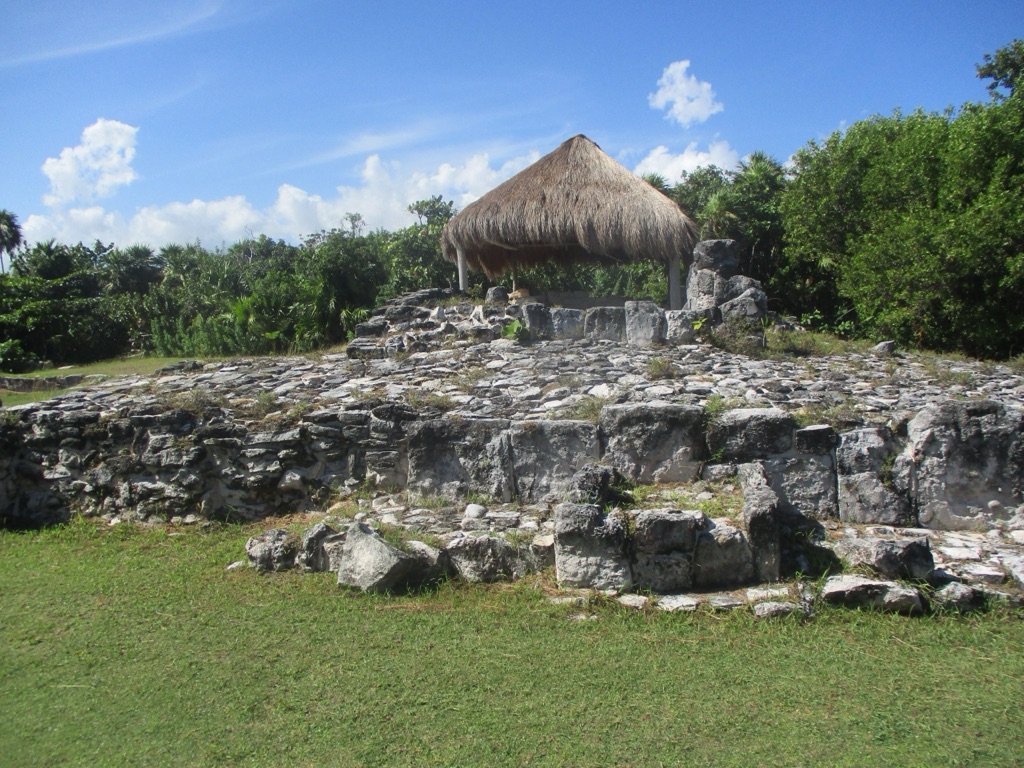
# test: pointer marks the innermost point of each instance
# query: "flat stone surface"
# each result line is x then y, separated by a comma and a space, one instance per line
633, 601
725, 602
674, 603
773, 609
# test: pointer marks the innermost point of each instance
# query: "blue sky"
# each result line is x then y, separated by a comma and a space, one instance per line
179, 120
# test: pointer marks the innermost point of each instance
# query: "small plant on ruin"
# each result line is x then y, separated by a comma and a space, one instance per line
417, 398
587, 409
516, 331
264, 404
660, 368
716, 405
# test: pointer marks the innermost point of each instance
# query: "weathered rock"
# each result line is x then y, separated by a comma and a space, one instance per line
496, 294
707, 283
484, 559
750, 306
311, 555
872, 481
956, 597
661, 531
663, 544
682, 326
678, 603
761, 513
272, 550
645, 323
653, 443
720, 256
750, 433
722, 557
862, 592
967, 455
891, 558
537, 319
597, 484
453, 458
567, 323
884, 349
773, 609
434, 564
607, 323
590, 548
546, 454
638, 602
819, 439
805, 484
542, 550
371, 564
375, 326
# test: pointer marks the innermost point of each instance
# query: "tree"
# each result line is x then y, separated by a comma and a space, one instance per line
10, 234
433, 212
131, 270
754, 197
659, 182
1005, 68
912, 228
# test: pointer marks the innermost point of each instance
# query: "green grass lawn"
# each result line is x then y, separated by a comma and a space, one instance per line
130, 647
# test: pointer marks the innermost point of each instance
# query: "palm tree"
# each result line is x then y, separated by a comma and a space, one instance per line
10, 234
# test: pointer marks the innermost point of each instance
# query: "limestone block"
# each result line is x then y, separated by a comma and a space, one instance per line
608, 323
805, 484
484, 559
750, 306
890, 558
645, 324
818, 439
661, 531
663, 573
537, 319
861, 592
454, 458
496, 294
311, 555
590, 548
651, 443
873, 484
369, 563
969, 463
567, 323
679, 326
545, 455
272, 550
863, 498
761, 512
719, 256
750, 433
722, 557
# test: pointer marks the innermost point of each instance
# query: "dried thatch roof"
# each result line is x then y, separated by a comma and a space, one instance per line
573, 204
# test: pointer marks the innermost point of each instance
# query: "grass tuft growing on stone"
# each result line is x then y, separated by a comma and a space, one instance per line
124, 646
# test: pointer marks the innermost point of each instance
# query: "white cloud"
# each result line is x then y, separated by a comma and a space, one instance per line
688, 99
659, 160
95, 168
384, 192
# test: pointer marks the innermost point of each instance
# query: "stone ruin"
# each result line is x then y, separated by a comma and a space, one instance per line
921, 479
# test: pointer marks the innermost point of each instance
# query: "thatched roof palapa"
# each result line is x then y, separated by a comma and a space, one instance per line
574, 204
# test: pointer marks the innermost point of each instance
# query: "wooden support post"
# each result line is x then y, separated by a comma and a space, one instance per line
463, 269
675, 292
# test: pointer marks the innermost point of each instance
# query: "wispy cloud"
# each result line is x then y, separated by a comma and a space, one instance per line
173, 28
363, 144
